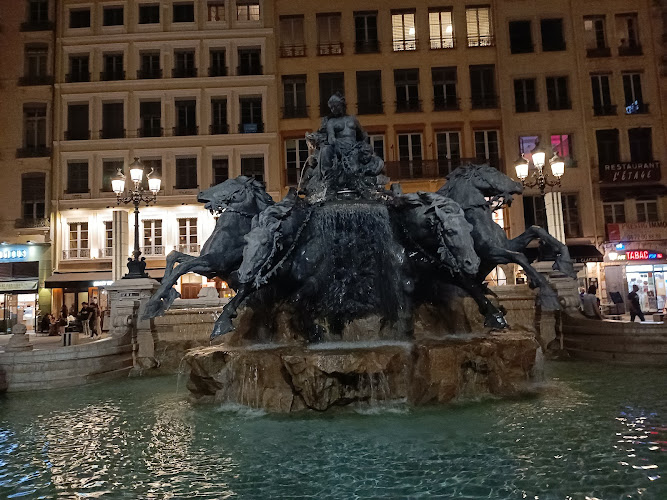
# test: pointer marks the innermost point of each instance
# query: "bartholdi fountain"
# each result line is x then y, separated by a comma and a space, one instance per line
348, 292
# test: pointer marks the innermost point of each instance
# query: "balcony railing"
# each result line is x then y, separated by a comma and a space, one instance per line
217, 71
153, 250
189, 248
604, 110
33, 152
292, 50
330, 49
31, 222
443, 43
367, 46
249, 69
251, 128
108, 76
184, 72
559, 105
113, 133
218, 128
185, 130
107, 252
150, 131
370, 108
77, 135
295, 111
481, 41
36, 80
527, 107
77, 77
446, 104
149, 73
409, 105
77, 253
37, 26
431, 169
484, 102
630, 50
598, 52
404, 45
637, 108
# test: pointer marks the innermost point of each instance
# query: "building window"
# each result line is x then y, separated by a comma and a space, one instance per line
448, 146
184, 64
186, 173
614, 212
113, 67
109, 171
113, 16
291, 36
641, 144
38, 12
150, 65
219, 123
478, 22
218, 63
571, 222
406, 82
410, 155
445, 96
251, 115
602, 105
328, 35
553, 38
608, 146
366, 32
79, 18
404, 36
250, 62
36, 70
149, 14
187, 235
34, 128
150, 115
186, 117
525, 98
247, 11
527, 143
377, 143
330, 83
77, 122
534, 211
647, 211
627, 30
78, 241
369, 92
33, 195
216, 11
558, 95
152, 238
220, 170
253, 166
486, 147
521, 38
113, 120
563, 146
77, 177
184, 12
296, 154
441, 28
152, 166
108, 239
596, 38
483, 87
79, 69
632, 90
294, 96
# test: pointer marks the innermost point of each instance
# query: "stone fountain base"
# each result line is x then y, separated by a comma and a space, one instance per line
285, 378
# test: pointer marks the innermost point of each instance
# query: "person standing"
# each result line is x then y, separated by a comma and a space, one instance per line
92, 319
635, 308
84, 317
590, 304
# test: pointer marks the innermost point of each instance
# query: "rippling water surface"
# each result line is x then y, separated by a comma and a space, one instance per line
596, 431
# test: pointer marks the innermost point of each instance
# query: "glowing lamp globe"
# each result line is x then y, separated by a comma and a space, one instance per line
136, 171
521, 168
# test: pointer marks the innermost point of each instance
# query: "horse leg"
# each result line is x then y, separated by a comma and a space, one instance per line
224, 322
155, 302
563, 262
493, 317
548, 298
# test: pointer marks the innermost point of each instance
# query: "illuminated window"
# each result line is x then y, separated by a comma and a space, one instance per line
441, 29
291, 36
563, 145
478, 22
152, 238
614, 212
216, 11
247, 11
108, 238
296, 154
404, 35
78, 241
187, 235
647, 211
328, 35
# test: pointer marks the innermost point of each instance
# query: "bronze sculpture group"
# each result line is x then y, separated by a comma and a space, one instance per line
341, 247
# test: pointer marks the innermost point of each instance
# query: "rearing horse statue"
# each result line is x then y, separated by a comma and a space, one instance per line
481, 189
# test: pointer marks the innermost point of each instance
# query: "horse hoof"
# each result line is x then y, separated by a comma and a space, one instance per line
495, 321
222, 326
152, 309
549, 302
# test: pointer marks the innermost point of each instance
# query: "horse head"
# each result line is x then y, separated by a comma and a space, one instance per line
243, 195
474, 185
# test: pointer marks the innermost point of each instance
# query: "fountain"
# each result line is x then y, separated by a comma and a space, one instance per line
348, 292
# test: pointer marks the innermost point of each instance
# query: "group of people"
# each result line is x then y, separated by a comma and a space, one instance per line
89, 317
590, 304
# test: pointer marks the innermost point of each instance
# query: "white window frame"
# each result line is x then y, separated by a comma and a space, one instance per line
152, 226
401, 24
438, 21
79, 247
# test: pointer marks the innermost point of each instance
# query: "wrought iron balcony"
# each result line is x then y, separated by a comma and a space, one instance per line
32, 222
367, 46
184, 72
598, 52
630, 50
79, 76
217, 71
108, 76
292, 50
189, 248
446, 104
77, 135
403, 45
77, 253
36, 80
112, 133
185, 130
330, 49
370, 108
481, 41
408, 106
155, 250
107, 252
251, 128
249, 69
295, 111
604, 110
559, 105
484, 102
38, 25
149, 73
527, 107
150, 131
443, 43
33, 152
637, 108
218, 128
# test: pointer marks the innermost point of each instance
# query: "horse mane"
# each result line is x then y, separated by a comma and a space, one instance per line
263, 199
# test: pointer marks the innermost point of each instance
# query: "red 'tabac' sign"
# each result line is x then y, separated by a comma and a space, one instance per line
642, 255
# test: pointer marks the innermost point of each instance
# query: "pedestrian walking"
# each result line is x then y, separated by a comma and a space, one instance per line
635, 308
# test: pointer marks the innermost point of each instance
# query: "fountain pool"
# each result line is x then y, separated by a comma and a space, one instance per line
595, 431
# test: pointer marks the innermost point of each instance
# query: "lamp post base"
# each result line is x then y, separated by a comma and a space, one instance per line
136, 269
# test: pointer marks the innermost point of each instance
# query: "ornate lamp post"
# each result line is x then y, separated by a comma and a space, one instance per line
136, 194
539, 178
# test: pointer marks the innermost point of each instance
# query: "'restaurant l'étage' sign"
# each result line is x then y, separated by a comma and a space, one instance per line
630, 172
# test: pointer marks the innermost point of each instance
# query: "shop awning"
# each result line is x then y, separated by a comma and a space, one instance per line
579, 253
18, 286
83, 280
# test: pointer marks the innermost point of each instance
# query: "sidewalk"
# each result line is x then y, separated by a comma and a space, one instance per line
44, 342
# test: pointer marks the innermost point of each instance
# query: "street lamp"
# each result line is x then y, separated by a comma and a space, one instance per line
136, 194
539, 178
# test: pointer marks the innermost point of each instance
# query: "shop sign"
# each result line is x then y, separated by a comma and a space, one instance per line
102, 283
17, 286
638, 231
13, 253
628, 172
643, 255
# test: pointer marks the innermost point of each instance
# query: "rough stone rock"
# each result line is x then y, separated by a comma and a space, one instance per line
3, 381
